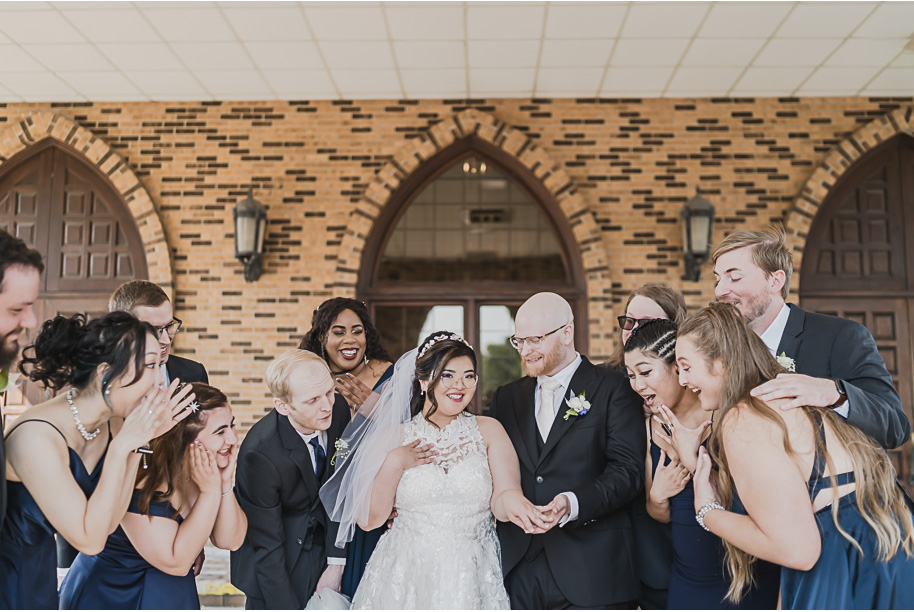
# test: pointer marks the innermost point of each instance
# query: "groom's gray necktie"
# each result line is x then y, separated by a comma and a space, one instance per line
546, 413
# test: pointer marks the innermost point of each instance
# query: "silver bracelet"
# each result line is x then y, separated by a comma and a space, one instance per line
700, 517
226, 493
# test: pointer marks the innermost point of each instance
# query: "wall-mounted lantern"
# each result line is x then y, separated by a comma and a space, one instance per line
250, 226
697, 225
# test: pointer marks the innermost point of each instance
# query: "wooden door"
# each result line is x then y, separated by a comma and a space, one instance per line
859, 263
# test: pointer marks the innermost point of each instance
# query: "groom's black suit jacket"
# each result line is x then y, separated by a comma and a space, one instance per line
186, 370
831, 347
289, 534
599, 457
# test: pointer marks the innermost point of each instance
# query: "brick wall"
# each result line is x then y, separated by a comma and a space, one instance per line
626, 166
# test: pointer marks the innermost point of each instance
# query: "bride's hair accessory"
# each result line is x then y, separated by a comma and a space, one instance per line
440, 338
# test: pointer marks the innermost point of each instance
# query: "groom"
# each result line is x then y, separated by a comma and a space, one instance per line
584, 466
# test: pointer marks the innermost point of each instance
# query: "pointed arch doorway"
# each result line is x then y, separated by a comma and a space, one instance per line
59, 204
464, 240
859, 262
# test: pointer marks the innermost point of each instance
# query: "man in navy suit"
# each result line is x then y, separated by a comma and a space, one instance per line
289, 551
836, 361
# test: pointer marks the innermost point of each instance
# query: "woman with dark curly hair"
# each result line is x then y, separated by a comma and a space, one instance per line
71, 460
344, 336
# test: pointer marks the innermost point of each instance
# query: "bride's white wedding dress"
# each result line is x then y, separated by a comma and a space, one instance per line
442, 551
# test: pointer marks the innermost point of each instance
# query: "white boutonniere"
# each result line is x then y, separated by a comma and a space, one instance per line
577, 406
8, 380
786, 362
342, 451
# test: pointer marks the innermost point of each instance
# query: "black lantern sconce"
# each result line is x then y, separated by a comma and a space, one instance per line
250, 226
697, 224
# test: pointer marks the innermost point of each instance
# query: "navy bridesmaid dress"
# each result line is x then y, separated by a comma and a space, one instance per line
119, 578
28, 554
842, 578
363, 542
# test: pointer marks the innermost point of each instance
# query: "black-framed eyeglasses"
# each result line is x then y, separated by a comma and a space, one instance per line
629, 323
533, 342
171, 329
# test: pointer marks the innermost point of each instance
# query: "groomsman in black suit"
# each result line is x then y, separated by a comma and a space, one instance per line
149, 303
20, 277
836, 361
289, 551
579, 435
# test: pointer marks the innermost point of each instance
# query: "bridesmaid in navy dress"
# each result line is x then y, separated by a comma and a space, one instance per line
183, 497
69, 469
792, 478
343, 334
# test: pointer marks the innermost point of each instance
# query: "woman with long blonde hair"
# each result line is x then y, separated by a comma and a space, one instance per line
799, 488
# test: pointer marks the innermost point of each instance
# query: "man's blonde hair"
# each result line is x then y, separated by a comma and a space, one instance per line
280, 370
134, 294
769, 251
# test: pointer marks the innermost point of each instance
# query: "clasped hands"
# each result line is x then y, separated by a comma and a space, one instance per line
531, 518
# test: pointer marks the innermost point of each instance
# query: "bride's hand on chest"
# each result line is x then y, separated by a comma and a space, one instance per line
412, 455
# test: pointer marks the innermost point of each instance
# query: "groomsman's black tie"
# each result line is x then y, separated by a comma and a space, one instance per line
320, 457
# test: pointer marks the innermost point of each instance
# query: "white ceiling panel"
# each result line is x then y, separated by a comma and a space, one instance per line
594, 20
69, 57
141, 56
4, 38
824, 19
501, 79
347, 22
796, 51
905, 60
14, 59
112, 25
829, 78
649, 52
575, 52
504, 22
889, 20
39, 86
300, 83
285, 55
183, 23
663, 19
750, 19
25, 5
108, 85
222, 82
7, 95
901, 79
575, 81
430, 54
504, 54
368, 54
38, 27
365, 80
268, 24
167, 83
718, 80
722, 51
635, 79
452, 81
771, 79
213, 55
439, 22
867, 52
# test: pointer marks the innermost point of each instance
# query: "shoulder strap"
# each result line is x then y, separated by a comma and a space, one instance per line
37, 421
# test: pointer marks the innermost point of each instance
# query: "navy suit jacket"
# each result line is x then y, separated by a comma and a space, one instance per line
831, 347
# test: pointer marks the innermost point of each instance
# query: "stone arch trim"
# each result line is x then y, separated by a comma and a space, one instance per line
838, 161
35, 127
592, 248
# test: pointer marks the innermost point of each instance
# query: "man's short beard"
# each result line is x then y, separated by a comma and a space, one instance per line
551, 360
9, 351
752, 309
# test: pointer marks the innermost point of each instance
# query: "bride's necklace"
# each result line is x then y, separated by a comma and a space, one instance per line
350, 372
79, 424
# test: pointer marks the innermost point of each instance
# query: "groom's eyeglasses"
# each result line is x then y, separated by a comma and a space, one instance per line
628, 323
533, 342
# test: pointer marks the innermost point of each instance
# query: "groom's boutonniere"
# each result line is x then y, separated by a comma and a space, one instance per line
342, 451
577, 406
786, 362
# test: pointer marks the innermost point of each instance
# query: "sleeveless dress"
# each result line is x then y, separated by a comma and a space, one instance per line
442, 552
119, 578
698, 579
363, 542
842, 578
28, 554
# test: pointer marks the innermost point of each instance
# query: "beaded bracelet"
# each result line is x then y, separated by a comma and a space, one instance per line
700, 517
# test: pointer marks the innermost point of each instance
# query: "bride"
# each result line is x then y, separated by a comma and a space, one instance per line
447, 474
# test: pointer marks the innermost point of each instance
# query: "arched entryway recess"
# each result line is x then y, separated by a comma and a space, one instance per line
20, 137
856, 222
471, 132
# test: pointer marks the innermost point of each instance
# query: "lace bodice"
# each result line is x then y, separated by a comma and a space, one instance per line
452, 495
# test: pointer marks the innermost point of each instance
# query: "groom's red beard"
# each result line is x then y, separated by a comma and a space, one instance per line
9, 349
551, 360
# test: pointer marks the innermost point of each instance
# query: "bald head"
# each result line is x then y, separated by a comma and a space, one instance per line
546, 316
542, 313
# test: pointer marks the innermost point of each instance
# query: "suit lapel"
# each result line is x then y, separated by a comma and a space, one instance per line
298, 453
585, 380
790, 339
524, 408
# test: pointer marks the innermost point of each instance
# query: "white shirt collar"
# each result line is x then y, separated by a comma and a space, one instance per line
772, 336
165, 376
320, 435
565, 375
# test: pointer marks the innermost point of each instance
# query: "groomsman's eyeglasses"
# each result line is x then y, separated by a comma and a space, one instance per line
533, 342
450, 380
628, 323
171, 329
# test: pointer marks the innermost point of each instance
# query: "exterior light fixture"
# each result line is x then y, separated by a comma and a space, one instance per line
697, 225
250, 226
